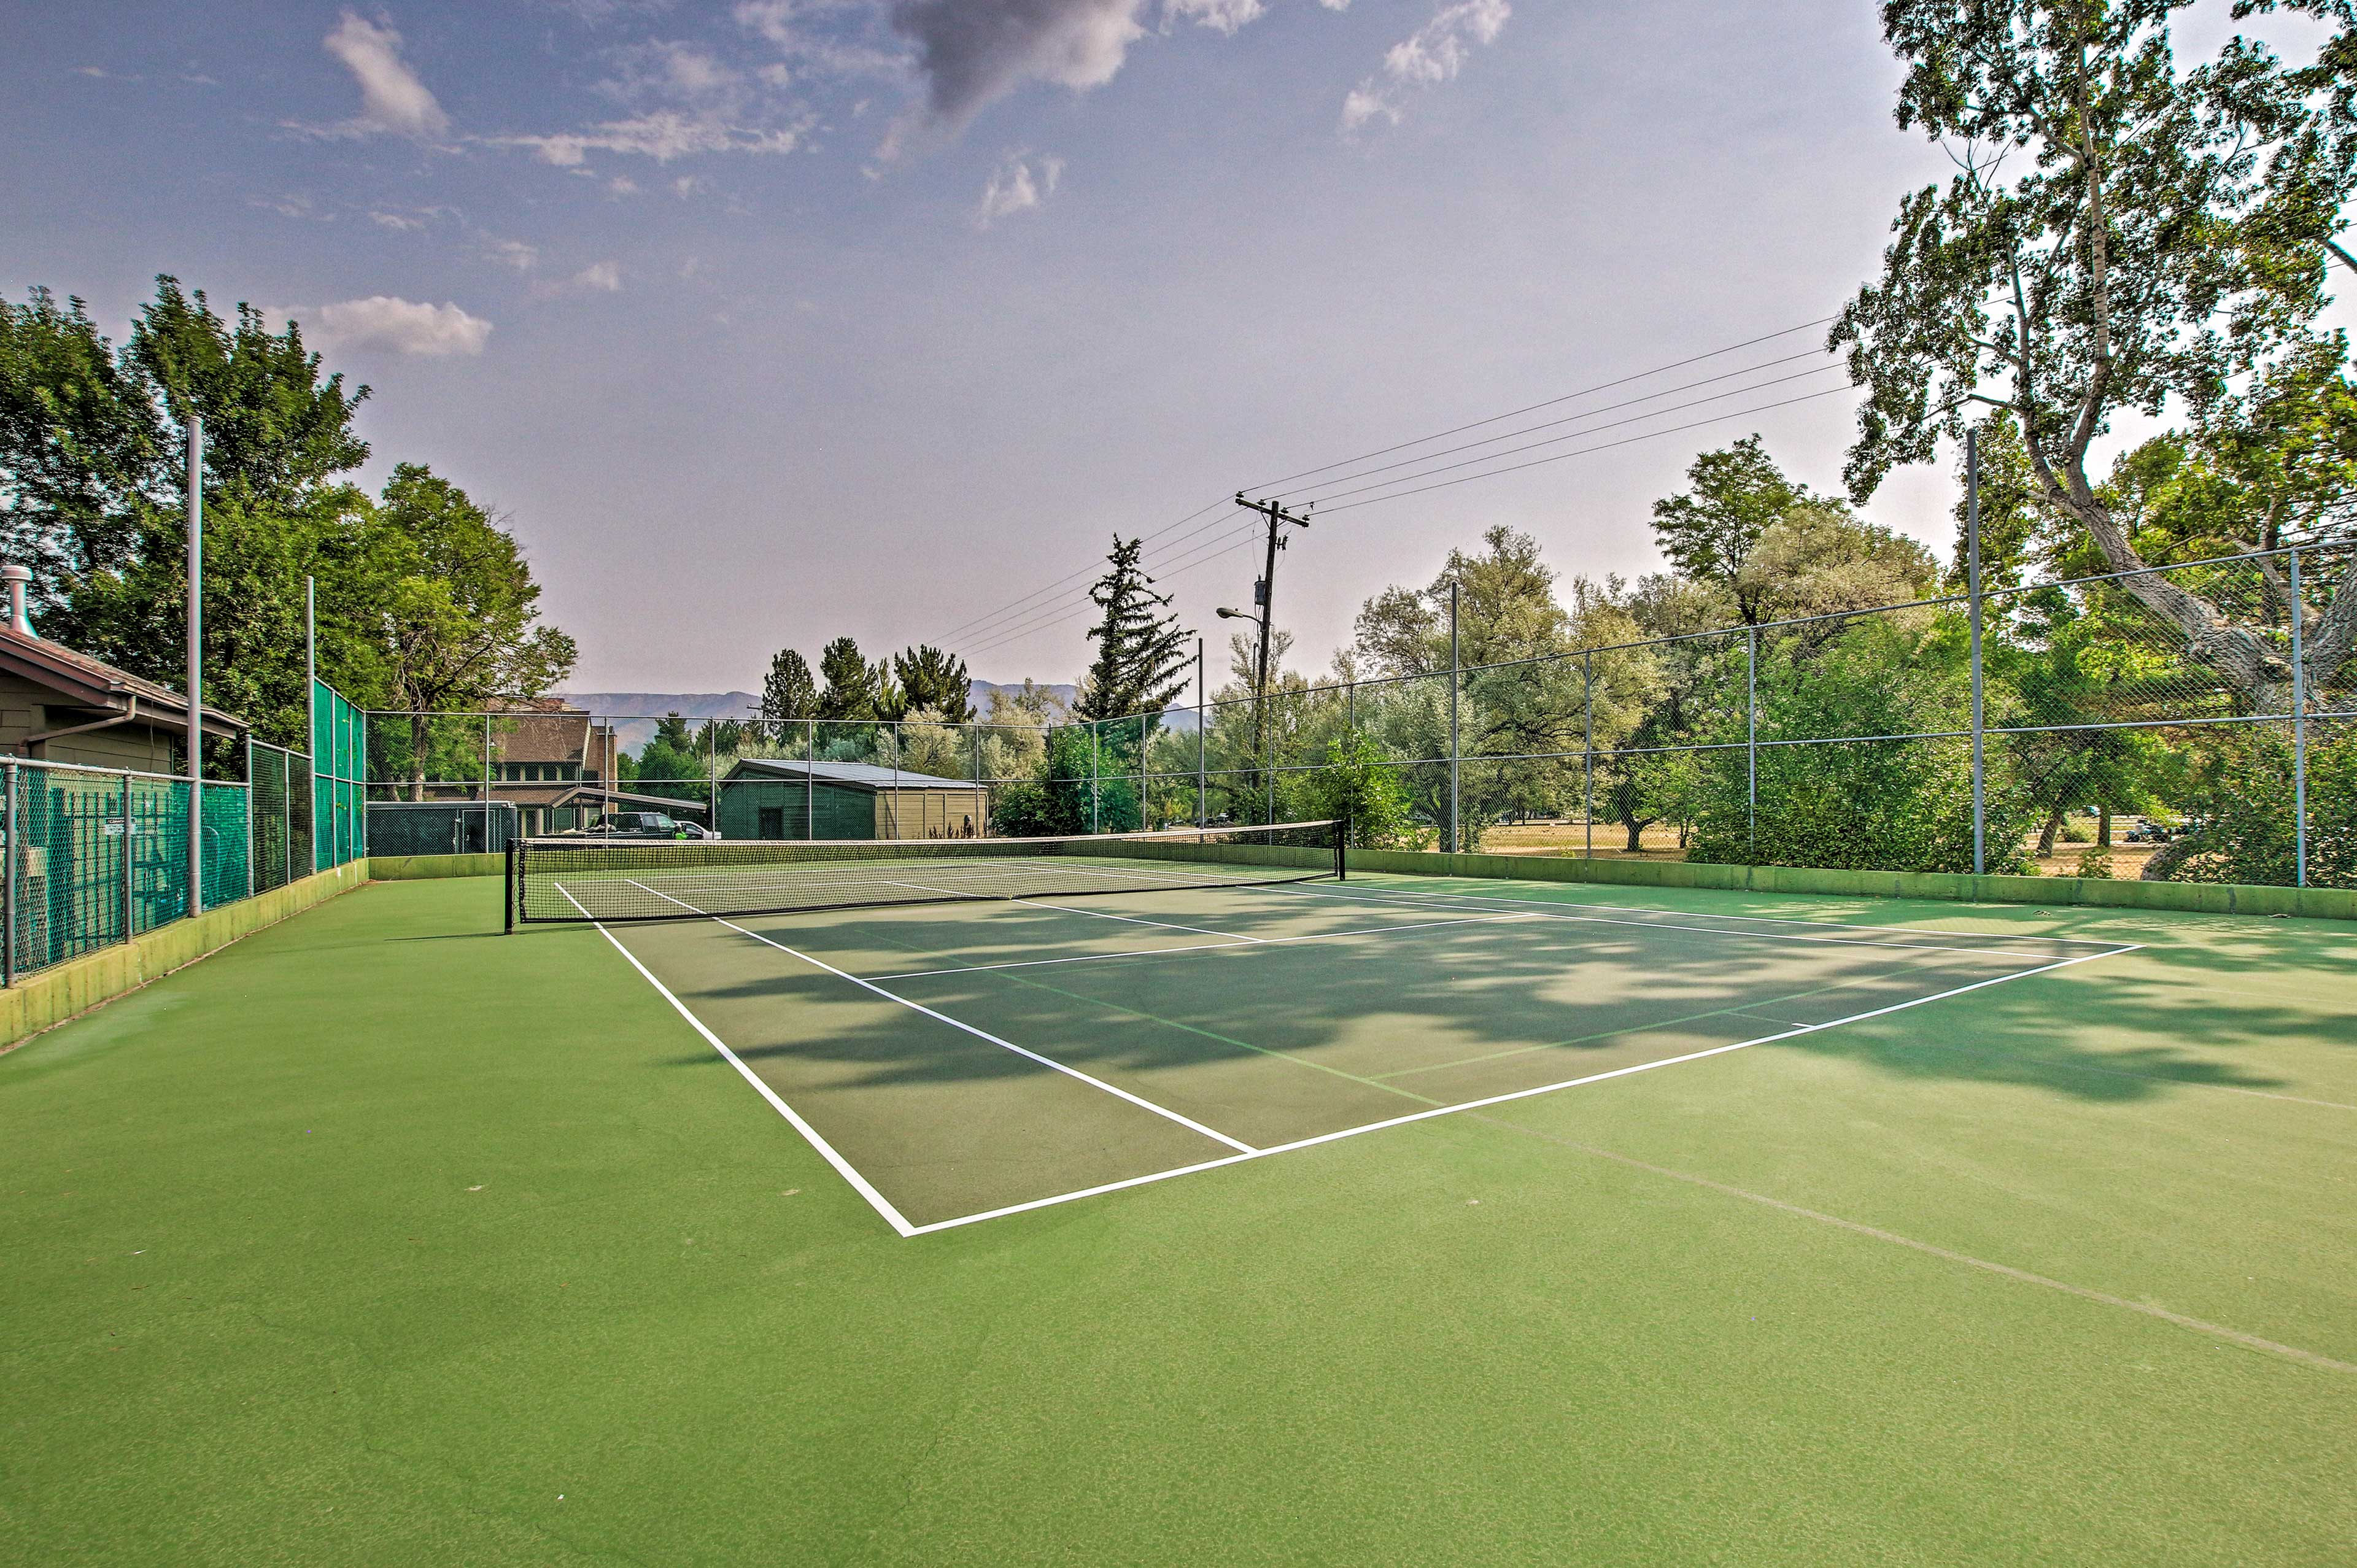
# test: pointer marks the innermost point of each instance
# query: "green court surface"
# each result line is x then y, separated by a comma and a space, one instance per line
1392, 1220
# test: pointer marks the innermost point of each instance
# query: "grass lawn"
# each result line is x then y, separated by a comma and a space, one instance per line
380, 1238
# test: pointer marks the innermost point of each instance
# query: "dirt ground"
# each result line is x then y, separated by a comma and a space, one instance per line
1569, 837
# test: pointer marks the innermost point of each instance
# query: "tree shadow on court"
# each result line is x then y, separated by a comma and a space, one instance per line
2116, 1030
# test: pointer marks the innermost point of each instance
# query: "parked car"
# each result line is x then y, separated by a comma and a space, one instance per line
648, 825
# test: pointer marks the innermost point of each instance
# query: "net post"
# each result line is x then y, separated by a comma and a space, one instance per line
508, 887
1342, 846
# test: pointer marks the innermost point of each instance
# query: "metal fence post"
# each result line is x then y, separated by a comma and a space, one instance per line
1202, 779
1092, 776
1588, 740
126, 858
1456, 830
1752, 730
2298, 730
10, 847
810, 777
1973, 595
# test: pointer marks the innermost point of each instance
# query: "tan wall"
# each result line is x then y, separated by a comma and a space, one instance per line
141, 746
930, 813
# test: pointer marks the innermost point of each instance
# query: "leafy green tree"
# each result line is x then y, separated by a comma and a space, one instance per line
1355, 786
936, 682
81, 447
2163, 233
1141, 659
854, 689
456, 612
787, 691
1707, 534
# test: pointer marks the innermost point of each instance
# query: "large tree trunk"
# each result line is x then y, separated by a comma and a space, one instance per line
2046, 834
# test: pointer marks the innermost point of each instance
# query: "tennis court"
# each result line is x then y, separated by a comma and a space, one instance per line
960, 1048
1861, 1230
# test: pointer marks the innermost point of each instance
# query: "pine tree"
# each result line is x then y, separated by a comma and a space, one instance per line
1141, 659
852, 683
789, 692
929, 677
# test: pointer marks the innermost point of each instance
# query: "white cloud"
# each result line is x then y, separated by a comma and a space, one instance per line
662, 135
783, 24
400, 222
393, 100
1433, 54
512, 253
687, 185
599, 277
402, 326
1014, 187
1219, 15
622, 185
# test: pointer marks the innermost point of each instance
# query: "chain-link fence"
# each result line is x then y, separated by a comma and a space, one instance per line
2180, 722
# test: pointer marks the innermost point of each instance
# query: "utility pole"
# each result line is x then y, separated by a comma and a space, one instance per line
1264, 600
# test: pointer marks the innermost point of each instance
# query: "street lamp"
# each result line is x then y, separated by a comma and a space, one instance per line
1238, 615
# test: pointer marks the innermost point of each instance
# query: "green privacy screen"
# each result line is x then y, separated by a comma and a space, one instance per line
339, 743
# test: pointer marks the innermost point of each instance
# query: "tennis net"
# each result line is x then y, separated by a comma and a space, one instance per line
575, 880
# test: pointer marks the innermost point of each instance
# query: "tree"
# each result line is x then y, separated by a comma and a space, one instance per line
456, 606
91, 448
854, 689
931, 680
2168, 235
1707, 534
788, 692
1141, 659
1506, 610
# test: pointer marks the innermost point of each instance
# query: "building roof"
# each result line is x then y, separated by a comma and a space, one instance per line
544, 733
854, 774
89, 683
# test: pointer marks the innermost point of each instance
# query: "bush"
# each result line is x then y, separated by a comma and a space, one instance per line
2076, 831
2095, 864
2243, 806
1356, 785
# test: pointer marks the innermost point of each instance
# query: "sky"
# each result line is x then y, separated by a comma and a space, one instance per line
766, 322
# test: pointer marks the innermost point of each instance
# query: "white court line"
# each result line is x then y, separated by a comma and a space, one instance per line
1099, 914
1204, 947
843, 1167
1178, 884
1492, 1099
1142, 1104
1434, 900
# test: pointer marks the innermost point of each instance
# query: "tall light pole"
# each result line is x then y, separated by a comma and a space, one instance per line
196, 673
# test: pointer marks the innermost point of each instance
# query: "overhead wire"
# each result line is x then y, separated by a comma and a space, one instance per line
1548, 403
1574, 436
1566, 419
1054, 604
1601, 446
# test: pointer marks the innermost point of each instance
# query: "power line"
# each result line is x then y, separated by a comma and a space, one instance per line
1549, 403
996, 614
1574, 418
1167, 565
1051, 620
1601, 446
1615, 425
